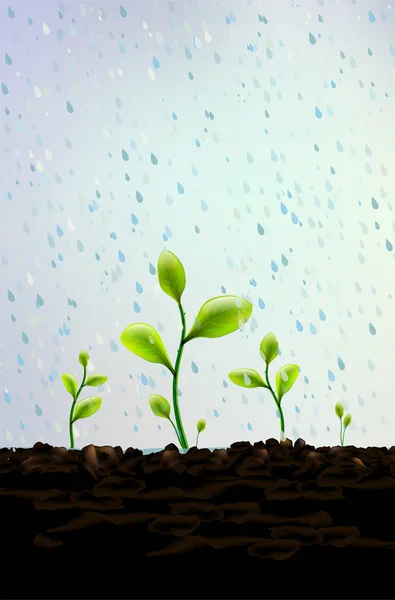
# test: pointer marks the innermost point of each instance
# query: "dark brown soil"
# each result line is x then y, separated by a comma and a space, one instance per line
272, 520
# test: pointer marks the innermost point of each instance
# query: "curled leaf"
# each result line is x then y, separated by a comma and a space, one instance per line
285, 378
83, 358
87, 407
269, 348
339, 410
96, 379
171, 275
159, 406
247, 378
347, 421
220, 316
70, 383
145, 341
201, 425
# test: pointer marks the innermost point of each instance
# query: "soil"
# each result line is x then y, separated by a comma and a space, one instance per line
269, 520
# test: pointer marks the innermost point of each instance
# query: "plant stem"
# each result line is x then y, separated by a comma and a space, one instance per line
197, 437
180, 428
341, 431
280, 410
72, 410
175, 429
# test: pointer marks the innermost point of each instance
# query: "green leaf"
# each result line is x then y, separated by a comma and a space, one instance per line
247, 378
171, 275
220, 316
347, 421
339, 410
145, 341
96, 379
70, 383
87, 407
285, 378
269, 348
201, 425
83, 358
159, 406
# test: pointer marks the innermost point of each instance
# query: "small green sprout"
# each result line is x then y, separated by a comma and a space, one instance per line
285, 377
201, 426
339, 411
217, 317
88, 406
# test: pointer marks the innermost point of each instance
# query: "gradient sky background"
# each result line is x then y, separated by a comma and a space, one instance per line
255, 140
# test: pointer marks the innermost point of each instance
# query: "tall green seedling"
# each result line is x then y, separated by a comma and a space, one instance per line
285, 377
344, 423
88, 406
217, 317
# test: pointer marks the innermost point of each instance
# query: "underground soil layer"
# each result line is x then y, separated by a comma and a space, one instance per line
269, 520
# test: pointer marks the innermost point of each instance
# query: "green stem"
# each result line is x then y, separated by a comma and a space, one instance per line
180, 428
175, 429
341, 431
197, 437
280, 410
72, 410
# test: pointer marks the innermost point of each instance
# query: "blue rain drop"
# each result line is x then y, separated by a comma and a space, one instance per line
318, 113
322, 315
195, 368
261, 231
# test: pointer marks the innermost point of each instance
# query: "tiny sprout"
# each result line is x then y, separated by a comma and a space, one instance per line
339, 410
285, 377
201, 426
88, 406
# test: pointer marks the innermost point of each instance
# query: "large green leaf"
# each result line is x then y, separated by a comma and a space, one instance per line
171, 275
70, 383
285, 378
87, 407
247, 378
145, 341
220, 316
159, 406
96, 379
269, 348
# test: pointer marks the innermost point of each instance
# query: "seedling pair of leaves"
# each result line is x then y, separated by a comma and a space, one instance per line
217, 317
344, 423
285, 377
88, 406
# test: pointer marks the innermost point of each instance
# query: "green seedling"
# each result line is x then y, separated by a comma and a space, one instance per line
88, 406
217, 317
285, 377
201, 426
344, 423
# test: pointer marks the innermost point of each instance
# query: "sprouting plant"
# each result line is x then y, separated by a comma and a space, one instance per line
201, 426
217, 317
285, 377
346, 422
88, 406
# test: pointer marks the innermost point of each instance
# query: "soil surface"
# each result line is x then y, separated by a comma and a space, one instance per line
269, 520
